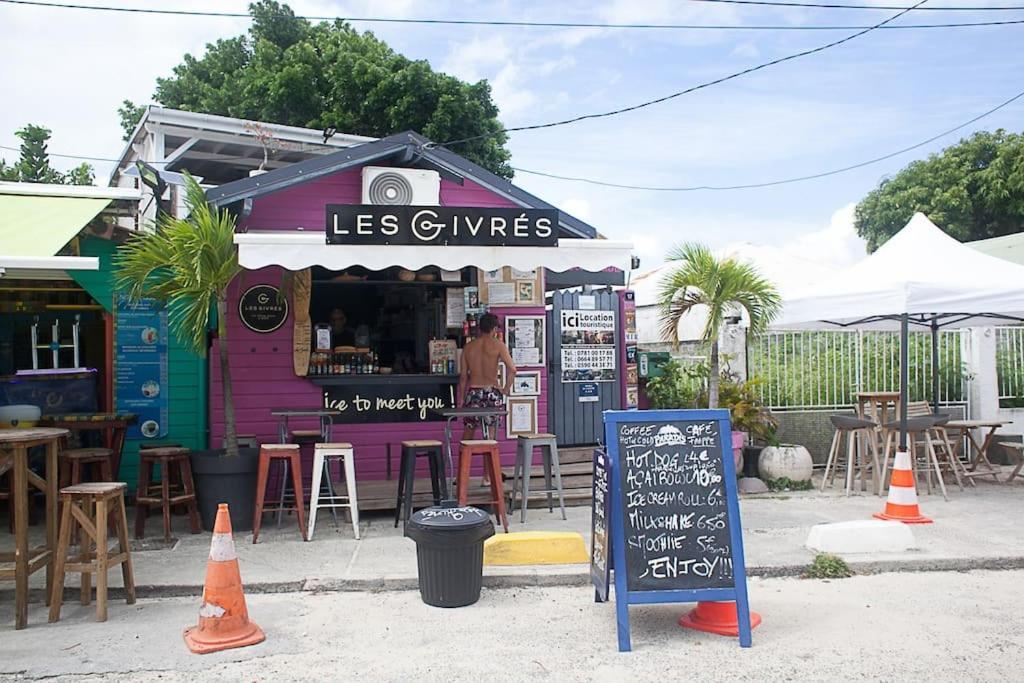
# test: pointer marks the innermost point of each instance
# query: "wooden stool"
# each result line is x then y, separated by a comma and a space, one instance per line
411, 450
5, 494
488, 448
323, 454
852, 427
288, 454
74, 460
162, 494
917, 427
87, 506
525, 445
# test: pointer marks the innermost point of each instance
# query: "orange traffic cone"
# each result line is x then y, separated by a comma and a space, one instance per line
901, 505
223, 619
717, 617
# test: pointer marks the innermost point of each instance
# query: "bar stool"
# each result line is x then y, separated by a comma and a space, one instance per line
488, 448
288, 454
87, 506
411, 450
176, 488
74, 460
851, 427
525, 445
323, 455
917, 427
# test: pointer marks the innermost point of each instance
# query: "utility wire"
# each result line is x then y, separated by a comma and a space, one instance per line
701, 86
832, 5
521, 24
772, 183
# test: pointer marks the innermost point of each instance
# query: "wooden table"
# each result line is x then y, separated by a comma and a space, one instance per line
14, 448
966, 427
1019, 447
875, 406
113, 425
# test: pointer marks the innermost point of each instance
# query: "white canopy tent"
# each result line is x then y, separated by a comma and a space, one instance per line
921, 277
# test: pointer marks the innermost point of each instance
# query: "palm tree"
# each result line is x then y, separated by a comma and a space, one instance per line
187, 264
723, 286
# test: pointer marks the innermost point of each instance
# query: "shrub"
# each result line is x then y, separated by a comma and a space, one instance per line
828, 566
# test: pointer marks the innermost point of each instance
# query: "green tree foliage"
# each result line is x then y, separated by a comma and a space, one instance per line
716, 287
130, 114
972, 190
187, 264
33, 164
290, 71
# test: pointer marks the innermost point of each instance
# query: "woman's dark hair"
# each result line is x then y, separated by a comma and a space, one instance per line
488, 321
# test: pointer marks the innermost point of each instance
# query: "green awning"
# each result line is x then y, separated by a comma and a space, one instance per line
33, 226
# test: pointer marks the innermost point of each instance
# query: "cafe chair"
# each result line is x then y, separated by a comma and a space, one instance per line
88, 506
411, 451
323, 455
288, 455
525, 446
851, 428
175, 488
75, 462
918, 429
488, 449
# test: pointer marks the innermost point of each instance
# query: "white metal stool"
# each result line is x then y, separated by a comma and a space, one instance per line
323, 454
548, 444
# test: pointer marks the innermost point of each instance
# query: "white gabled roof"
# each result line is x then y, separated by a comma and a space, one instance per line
82, 191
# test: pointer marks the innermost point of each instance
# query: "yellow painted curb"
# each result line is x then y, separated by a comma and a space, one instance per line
535, 547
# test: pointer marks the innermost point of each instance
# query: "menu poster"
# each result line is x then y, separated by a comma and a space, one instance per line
675, 526
675, 514
455, 307
525, 338
600, 547
140, 340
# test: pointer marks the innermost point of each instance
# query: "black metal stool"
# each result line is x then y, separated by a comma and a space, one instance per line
411, 450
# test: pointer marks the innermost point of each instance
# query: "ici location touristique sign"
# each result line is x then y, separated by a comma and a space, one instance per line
441, 226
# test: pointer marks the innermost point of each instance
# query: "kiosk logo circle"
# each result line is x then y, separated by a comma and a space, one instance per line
423, 227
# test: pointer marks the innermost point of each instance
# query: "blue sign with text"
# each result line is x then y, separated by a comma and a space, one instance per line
141, 362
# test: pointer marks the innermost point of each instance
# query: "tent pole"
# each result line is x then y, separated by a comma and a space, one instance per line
935, 365
904, 377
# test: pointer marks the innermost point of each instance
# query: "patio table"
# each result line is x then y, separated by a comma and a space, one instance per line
1019, 447
966, 428
876, 406
14, 448
113, 425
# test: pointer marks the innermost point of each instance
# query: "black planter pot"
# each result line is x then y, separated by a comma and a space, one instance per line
750, 458
220, 479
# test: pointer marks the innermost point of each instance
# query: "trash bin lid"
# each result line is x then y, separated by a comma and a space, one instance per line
449, 518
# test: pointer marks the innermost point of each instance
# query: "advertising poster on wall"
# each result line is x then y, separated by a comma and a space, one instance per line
588, 346
141, 361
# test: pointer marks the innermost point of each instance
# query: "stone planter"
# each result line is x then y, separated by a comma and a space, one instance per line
789, 461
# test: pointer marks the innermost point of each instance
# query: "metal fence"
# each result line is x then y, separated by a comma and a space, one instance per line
1010, 363
823, 370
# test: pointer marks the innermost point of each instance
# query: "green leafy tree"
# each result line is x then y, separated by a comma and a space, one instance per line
33, 164
722, 286
290, 71
130, 114
973, 190
188, 264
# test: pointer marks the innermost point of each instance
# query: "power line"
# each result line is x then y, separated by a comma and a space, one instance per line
831, 5
78, 156
520, 24
701, 86
772, 183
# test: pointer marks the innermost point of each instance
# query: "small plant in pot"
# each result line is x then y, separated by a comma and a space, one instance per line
188, 264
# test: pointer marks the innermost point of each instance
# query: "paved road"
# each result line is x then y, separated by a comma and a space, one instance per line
926, 626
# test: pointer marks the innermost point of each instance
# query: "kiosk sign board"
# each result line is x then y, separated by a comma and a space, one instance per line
441, 226
674, 512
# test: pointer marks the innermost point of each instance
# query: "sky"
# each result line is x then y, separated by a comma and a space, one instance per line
69, 70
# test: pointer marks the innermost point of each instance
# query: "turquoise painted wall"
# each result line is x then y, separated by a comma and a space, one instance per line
187, 381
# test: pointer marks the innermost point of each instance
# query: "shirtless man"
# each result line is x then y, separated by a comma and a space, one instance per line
478, 373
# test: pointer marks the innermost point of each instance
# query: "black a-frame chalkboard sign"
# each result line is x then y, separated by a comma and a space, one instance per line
672, 515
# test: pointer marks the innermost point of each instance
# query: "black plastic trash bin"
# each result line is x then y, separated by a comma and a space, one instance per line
450, 553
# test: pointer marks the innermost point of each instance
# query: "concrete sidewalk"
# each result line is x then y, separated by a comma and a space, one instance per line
980, 528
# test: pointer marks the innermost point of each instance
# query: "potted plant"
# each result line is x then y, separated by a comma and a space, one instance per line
188, 264
718, 288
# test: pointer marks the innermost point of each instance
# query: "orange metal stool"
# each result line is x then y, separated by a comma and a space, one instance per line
487, 448
288, 453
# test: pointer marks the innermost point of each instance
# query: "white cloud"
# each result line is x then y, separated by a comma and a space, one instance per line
837, 245
748, 50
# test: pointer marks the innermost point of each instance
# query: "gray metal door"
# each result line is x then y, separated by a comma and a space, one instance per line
575, 422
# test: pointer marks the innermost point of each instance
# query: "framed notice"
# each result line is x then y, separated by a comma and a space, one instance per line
501, 293
522, 416
526, 383
455, 307
524, 335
